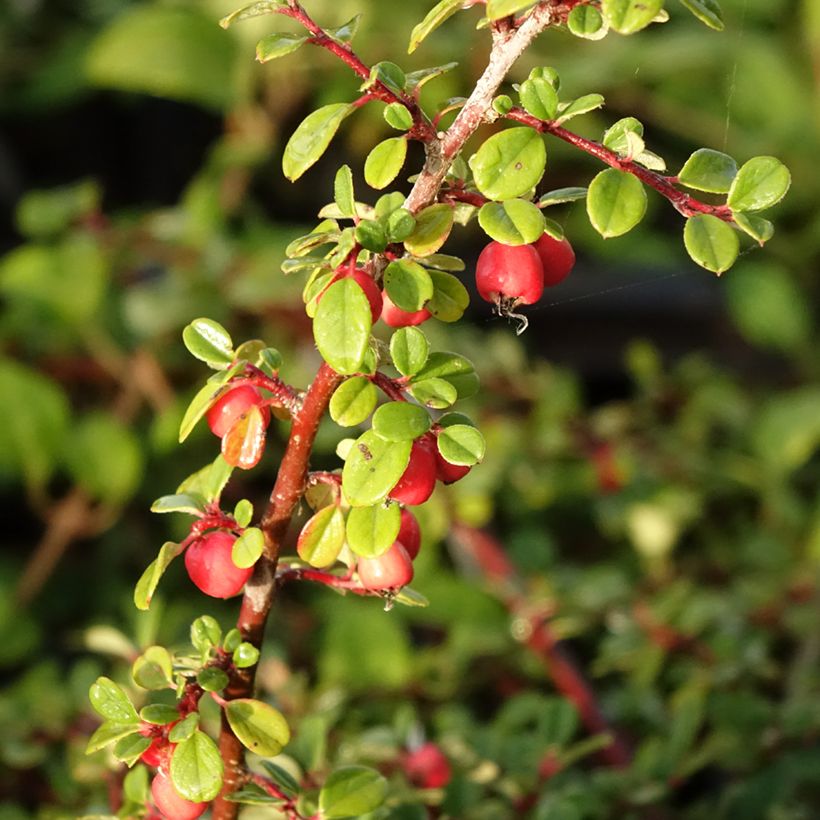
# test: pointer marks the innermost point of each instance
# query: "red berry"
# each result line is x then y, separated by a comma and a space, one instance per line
557, 258
235, 403
409, 534
155, 754
396, 317
427, 767
418, 481
448, 473
509, 274
210, 566
170, 803
390, 570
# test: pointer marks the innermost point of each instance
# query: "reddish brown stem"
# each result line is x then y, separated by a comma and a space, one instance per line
683, 202
388, 386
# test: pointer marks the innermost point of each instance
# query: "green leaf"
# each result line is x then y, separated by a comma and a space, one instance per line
587, 22
497, 9
342, 325
457, 370
760, 183
441, 261
400, 225
343, 193
243, 512
409, 597
129, 749
787, 429
629, 16
561, 195
388, 74
135, 785
347, 31
711, 243
182, 502
110, 701
509, 164
384, 162
108, 733
583, 105
621, 135
371, 531
513, 222
708, 170
245, 655
253, 10
153, 669
418, 79
209, 342
310, 140
212, 679
283, 778
616, 202
147, 584
401, 421
233, 640
373, 467
433, 226
248, 548
450, 297
196, 768
461, 444
278, 45
708, 12
353, 401
205, 633
408, 349
352, 791
539, 98
436, 393
258, 726
398, 116
371, 235
408, 284
185, 729
160, 714
322, 537
761, 230
432, 20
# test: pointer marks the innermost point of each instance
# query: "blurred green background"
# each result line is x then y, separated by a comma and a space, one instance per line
652, 466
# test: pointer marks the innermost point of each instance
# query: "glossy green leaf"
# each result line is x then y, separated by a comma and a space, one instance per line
281, 777
129, 749
400, 225
196, 768
503, 104
398, 116
209, 342
616, 202
243, 512
277, 45
513, 222
245, 655
372, 468
110, 701
153, 669
343, 193
109, 732
509, 164
401, 421
205, 633
248, 548
436, 393
619, 136
761, 230
353, 401
185, 729
561, 195
232, 641
371, 235
384, 162
408, 284
212, 679
760, 183
461, 444
160, 714
497, 9
711, 242
258, 726
583, 105
147, 584
409, 349
418, 79
708, 170
442, 261
347, 31
629, 16
371, 531
388, 74
539, 98
708, 12
432, 20
450, 297
322, 537
182, 502
456, 369
352, 791
253, 10
433, 226
342, 325
310, 140
586, 21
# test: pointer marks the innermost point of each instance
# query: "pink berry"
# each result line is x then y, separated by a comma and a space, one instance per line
234, 404
449, 473
510, 274
428, 767
170, 803
557, 258
210, 566
409, 534
390, 570
418, 481
396, 317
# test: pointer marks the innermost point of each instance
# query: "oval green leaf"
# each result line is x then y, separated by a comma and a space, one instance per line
509, 164
147, 584
587, 22
110, 701
450, 297
539, 98
398, 116
153, 669
371, 531
513, 222
708, 170
432, 20
616, 202
409, 349
629, 16
322, 537
351, 792
343, 194
408, 284
433, 226
258, 726
708, 12
711, 243
310, 140
354, 400
196, 768
278, 45
401, 421
342, 325
373, 467
456, 369
209, 342
248, 548
461, 444
384, 162
760, 183
436, 393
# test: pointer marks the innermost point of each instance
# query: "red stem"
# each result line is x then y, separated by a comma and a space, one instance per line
388, 387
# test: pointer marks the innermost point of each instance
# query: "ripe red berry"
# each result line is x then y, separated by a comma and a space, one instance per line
235, 403
210, 566
170, 803
449, 473
390, 570
396, 317
557, 258
409, 534
418, 481
155, 754
509, 275
428, 767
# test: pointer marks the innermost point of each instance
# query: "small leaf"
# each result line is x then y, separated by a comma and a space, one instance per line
182, 502
433, 226
184, 730
347, 31
253, 10
199, 406
436, 393
398, 116
629, 16
707, 11
616, 202
461, 444
312, 137
401, 421
342, 325
711, 242
583, 105
258, 726
278, 45
248, 548
322, 537
160, 714
509, 164
587, 22
153, 669
283, 778
232, 640
708, 170
498, 9
373, 467
441, 261
205, 633
212, 679
384, 162
209, 342
761, 230
110, 701
245, 655
129, 749
408, 284
147, 584
108, 733
561, 195
618, 136
400, 225
539, 98
244, 444
352, 791
243, 512
343, 193
388, 74
371, 531
353, 401
513, 222
450, 297
432, 20
196, 768
408, 349
760, 183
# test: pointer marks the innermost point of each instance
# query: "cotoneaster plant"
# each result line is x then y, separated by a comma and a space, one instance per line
374, 270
